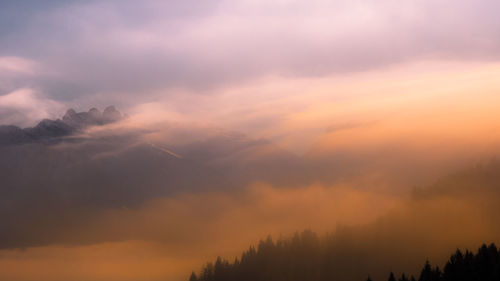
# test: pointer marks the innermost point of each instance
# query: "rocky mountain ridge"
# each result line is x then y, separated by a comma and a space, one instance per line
47, 130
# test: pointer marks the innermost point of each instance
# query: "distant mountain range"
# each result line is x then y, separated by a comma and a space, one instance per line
48, 130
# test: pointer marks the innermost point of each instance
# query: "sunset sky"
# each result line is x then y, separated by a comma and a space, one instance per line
313, 114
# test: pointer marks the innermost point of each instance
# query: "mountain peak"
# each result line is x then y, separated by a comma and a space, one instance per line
110, 108
110, 114
70, 112
70, 123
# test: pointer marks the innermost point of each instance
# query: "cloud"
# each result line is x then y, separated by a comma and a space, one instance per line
129, 47
432, 102
17, 73
24, 107
17, 65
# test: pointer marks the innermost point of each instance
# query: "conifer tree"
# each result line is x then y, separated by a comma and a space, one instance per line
391, 277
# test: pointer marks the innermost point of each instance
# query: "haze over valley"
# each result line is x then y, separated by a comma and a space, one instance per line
249, 140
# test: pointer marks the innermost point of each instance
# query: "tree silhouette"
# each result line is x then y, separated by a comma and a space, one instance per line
306, 257
391, 277
193, 277
403, 278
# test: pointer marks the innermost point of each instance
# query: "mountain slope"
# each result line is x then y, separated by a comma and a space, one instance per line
50, 130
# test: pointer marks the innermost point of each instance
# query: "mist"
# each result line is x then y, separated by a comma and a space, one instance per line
375, 233
140, 140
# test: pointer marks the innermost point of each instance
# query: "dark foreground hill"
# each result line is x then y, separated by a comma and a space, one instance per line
307, 257
483, 265
460, 210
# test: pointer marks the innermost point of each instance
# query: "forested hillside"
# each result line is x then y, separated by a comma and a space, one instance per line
308, 257
433, 225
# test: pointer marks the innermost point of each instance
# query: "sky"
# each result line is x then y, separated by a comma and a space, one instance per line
212, 59
84, 52
359, 100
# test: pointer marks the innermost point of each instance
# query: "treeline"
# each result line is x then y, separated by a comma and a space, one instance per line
484, 265
303, 257
306, 257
